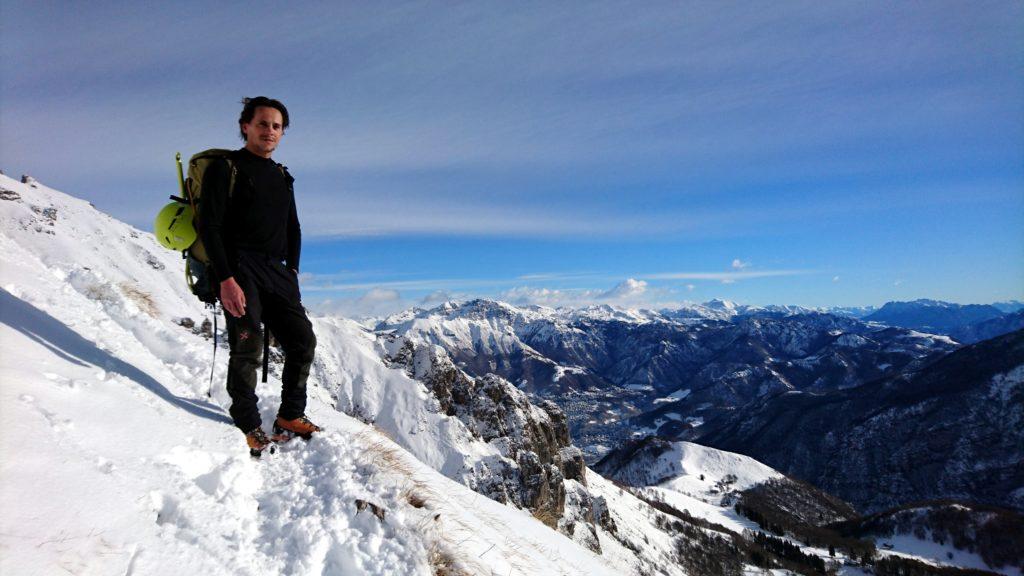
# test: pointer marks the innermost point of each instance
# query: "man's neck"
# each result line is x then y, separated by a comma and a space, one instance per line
258, 153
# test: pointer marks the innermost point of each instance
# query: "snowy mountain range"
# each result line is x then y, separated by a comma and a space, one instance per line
119, 456
616, 373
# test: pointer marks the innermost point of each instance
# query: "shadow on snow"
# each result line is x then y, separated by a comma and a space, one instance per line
70, 346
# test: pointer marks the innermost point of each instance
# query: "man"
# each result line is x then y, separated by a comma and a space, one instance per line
252, 236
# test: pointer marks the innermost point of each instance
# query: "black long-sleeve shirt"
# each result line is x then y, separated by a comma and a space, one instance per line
258, 217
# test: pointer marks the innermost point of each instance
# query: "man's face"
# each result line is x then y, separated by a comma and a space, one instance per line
264, 131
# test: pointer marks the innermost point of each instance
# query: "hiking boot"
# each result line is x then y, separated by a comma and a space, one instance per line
258, 441
301, 427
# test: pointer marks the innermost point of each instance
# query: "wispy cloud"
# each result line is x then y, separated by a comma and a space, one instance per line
436, 297
630, 287
726, 276
559, 276
373, 215
670, 90
317, 284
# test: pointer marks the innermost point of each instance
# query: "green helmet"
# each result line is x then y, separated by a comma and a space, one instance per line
173, 226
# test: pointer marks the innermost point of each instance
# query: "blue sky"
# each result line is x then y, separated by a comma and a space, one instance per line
838, 153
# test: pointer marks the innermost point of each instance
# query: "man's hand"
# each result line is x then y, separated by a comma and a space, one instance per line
232, 297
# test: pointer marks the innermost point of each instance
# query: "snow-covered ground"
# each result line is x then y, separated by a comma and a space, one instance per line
910, 546
699, 480
119, 459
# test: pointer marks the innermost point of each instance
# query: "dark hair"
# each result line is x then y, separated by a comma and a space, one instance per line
249, 111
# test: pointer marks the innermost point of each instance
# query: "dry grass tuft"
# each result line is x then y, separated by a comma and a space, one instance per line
444, 564
415, 500
141, 299
546, 516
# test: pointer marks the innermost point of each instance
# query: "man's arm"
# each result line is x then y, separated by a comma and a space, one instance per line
213, 206
294, 239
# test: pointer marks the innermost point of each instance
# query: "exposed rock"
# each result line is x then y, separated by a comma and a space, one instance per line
537, 454
573, 465
578, 521
206, 328
153, 262
602, 516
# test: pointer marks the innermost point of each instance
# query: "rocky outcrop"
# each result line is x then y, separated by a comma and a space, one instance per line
537, 455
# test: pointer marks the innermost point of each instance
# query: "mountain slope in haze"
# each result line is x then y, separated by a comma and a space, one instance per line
986, 329
933, 316
952, 429
1010, 306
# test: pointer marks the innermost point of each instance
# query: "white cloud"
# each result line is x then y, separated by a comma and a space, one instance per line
629, 288
835, 278
375, 295
690, 287
738, 264
630, 293
436, 297
375, 302
525, 295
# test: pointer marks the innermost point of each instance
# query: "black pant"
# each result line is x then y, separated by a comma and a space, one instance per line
277, 306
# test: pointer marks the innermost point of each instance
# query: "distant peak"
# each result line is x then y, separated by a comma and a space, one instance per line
721, 304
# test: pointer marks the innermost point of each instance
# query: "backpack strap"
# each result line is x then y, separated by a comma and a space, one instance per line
287, 176
230, 159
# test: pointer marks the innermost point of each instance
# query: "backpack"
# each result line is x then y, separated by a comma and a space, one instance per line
198, 269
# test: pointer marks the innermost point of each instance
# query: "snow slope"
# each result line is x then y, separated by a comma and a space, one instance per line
116, 459
697, 479
910, 546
